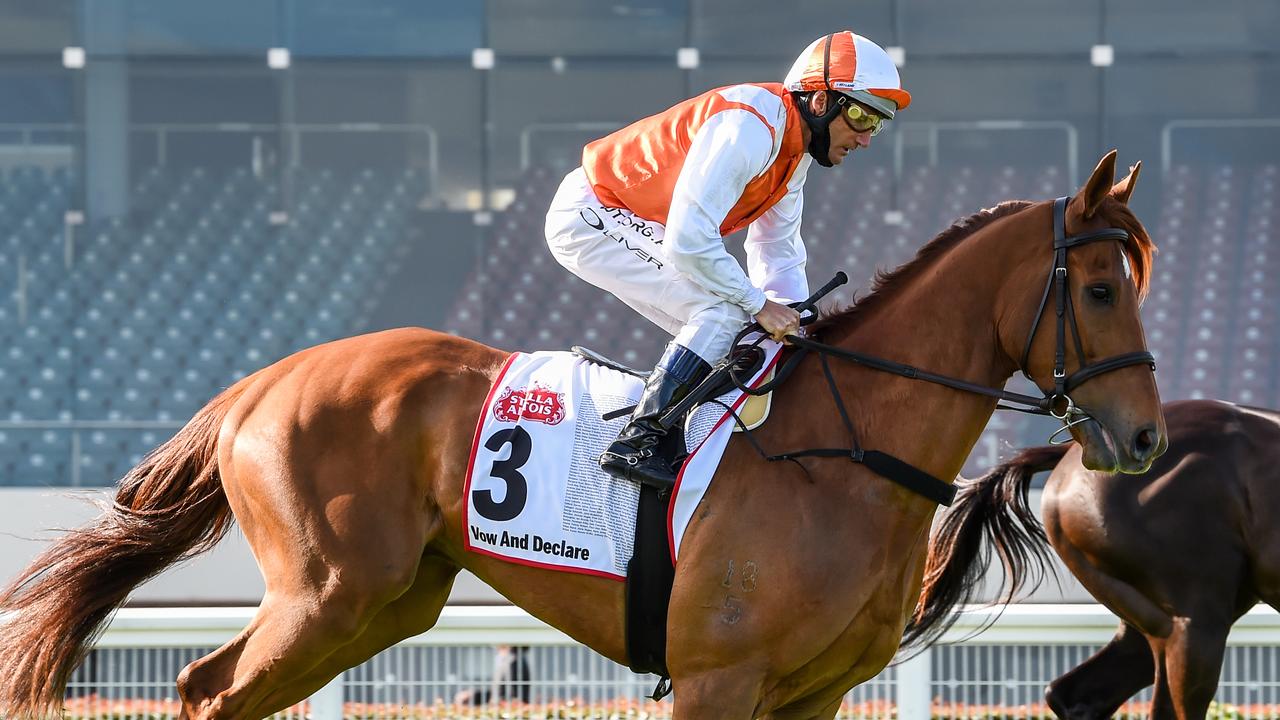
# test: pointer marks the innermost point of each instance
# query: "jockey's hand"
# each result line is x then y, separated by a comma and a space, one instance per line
778, 320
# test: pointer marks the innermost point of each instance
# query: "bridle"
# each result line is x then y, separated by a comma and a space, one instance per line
1056, 403
1059, 403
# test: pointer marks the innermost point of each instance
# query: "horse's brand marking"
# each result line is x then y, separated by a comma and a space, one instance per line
746, 581
747, 578
536, 403
732, 610
728, 576
750, 571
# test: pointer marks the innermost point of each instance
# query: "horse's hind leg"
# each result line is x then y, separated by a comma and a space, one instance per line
291, 635
1099, 686
337, 540
411, 614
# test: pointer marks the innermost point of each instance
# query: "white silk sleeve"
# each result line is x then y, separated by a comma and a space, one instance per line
775, 251
730, 149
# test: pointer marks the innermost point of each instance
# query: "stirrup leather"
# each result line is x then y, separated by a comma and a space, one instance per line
643, 452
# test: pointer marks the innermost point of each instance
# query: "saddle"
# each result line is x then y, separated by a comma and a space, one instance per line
744, 362
651, 571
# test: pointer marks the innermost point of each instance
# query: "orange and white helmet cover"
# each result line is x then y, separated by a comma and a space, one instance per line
847, 62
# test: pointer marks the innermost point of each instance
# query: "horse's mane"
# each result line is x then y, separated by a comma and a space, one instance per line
886, 284
1269, 413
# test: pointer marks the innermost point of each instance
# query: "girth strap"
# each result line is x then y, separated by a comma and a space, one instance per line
886, 466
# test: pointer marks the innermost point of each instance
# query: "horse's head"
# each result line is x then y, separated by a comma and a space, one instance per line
1078, 334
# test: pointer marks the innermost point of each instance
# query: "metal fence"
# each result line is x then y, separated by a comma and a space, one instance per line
500, 662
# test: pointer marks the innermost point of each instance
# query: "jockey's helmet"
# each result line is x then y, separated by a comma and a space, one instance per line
852, 67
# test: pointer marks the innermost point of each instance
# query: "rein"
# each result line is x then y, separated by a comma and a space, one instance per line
1056, 403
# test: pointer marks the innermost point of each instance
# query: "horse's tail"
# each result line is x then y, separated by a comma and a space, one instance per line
993, 506
168, 508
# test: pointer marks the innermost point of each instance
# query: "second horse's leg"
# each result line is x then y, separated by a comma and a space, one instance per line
1101, 684
1193, 663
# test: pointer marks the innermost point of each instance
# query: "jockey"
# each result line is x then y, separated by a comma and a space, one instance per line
646, 215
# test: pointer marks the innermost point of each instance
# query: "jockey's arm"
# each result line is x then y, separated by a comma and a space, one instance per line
730, 149
775, 252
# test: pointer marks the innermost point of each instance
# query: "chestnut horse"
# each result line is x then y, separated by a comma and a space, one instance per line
344, 466
1179, 553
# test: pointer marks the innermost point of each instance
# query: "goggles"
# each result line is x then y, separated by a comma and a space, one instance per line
860, 119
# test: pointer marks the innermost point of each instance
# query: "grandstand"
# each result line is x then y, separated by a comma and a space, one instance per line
196, 290
179, 206
202, 285
191, 191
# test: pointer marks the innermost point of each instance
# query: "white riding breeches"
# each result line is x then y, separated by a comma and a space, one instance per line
618, 252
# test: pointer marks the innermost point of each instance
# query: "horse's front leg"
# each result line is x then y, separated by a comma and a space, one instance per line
729, 693
717, 647
807, 713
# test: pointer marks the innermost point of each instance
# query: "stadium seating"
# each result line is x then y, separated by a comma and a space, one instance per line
1212, 316
132, 324
157, 313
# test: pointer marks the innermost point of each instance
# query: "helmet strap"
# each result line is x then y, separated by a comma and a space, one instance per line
819, 124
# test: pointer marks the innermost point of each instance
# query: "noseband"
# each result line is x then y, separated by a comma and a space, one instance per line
1056, 403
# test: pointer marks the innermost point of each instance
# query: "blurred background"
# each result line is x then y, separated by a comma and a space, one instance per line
191, 190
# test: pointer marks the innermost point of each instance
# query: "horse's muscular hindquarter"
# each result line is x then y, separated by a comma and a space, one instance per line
339, 535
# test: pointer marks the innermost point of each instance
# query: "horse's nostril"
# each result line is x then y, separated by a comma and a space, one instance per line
1144, 443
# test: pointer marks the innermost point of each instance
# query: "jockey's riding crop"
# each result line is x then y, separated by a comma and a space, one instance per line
716, 378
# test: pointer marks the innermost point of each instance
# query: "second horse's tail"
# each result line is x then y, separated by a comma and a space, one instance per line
989, 512
168, 508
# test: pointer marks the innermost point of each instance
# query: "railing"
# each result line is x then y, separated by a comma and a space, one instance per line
27, 135
932, 131
529, 131
27, 132
450, 669
42, 144
1166, 133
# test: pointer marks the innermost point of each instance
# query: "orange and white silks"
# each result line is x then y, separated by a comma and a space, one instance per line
646, 215
637, 167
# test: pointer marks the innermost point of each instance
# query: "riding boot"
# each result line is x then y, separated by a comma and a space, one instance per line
639, 454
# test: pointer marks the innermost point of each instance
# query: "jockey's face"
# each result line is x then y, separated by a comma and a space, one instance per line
845, 138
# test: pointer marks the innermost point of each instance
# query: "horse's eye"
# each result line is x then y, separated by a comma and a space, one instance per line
1101, 293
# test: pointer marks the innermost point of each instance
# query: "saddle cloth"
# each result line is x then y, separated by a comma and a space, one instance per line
535, 494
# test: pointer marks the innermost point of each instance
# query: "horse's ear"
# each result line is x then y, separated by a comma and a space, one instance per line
1123, 190
1095, 191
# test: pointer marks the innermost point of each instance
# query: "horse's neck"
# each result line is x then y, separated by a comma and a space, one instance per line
944, 322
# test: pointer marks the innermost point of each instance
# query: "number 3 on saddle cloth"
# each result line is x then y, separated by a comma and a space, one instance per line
535, 493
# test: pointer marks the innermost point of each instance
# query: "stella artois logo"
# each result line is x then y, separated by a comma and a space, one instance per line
535, 403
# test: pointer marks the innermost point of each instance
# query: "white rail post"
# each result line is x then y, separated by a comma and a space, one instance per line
326, 703
915, 677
